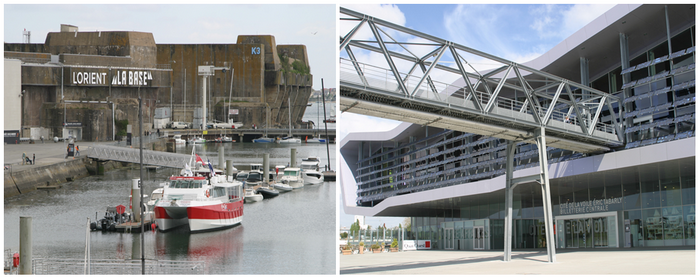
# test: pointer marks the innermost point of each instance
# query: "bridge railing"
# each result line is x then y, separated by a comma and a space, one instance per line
447, 94
132, 155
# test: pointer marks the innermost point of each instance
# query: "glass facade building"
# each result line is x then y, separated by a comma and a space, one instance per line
642, 205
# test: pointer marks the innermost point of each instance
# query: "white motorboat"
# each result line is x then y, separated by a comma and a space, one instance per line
256, 167
288, 140
178, 139
224, 139
312, 177
292, 177
310, 163
254, 179
203, 203
252, 196
281, 187
316, 140
264, 140
196, 140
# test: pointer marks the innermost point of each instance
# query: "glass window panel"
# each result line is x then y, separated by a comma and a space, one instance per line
673, 223
649, 177
687, 171
613, 190
526, 200
689, 224
637, 236
537, 211
653, 225
670, 184
580, 188
630, 189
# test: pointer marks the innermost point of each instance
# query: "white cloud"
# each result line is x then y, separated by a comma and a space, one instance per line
579, 16
350, 122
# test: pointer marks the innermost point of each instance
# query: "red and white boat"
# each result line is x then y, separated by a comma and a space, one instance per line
203, 204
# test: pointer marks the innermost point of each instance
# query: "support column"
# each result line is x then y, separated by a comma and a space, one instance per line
508, 222
25, 245
625, 63
546, 196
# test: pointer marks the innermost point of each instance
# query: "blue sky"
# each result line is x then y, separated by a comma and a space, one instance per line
310, 25
516, 32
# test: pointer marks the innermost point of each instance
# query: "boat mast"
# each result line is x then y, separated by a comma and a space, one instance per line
289, 100
323, 97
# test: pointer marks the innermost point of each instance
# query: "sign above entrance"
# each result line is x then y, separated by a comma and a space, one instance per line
596, 205
105, 77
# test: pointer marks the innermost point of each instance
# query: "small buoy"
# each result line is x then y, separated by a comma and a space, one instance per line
153, 226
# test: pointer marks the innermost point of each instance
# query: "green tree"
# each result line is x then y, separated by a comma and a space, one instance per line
407, 223
343, 235
355, 228
121, 127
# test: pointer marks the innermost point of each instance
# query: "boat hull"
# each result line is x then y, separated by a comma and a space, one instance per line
168, 218
253, 198
312, 177
282, 187
264, 140
211, 216
268, 193
215, 216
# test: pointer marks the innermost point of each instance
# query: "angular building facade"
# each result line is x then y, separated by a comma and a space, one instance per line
640, 194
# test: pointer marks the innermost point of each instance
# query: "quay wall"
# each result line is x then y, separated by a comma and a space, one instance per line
24, 181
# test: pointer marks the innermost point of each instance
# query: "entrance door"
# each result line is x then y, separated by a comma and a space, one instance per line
478, 238
449, 239
593, 230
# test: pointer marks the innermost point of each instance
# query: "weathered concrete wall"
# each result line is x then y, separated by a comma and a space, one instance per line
139, 46
28, 180
29, 48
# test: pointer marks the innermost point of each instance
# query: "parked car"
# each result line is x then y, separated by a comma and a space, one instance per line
179, 125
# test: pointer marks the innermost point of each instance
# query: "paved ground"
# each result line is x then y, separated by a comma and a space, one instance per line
46, 154
639, 262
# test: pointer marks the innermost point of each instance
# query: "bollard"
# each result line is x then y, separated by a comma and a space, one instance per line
266, 168
221, 157
293, 158
25, 245
134, 200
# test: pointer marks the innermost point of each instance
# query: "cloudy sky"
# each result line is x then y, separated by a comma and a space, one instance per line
310, 25
518, 33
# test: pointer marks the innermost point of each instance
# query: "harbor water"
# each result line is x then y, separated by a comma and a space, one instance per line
293, 233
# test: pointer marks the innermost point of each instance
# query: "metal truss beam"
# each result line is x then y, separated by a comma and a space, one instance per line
488, 91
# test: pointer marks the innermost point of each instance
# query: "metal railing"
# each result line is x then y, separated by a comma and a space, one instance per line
450, 96
106, 266
132, 155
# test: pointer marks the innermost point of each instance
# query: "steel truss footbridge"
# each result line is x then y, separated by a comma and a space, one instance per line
410, 76
124, 154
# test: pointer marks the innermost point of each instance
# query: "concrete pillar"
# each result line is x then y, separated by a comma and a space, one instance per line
221, 157
229, 168
546, 196
293, 158
508, 223
135, 192
585, 77
266, 168
25, 245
